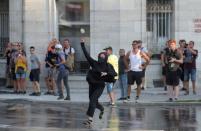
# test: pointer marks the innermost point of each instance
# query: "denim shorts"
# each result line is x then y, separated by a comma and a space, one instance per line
189, 73
109, 87
20, 76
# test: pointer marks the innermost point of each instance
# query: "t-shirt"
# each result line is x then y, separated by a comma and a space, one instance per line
34, 62
61, 56
190, 59
69, 50
122, 66
51, 58
172, 66
113, 60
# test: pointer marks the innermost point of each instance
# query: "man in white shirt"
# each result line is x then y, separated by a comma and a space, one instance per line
134, 59
69, 53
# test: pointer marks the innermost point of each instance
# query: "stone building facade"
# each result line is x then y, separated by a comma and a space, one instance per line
113, 23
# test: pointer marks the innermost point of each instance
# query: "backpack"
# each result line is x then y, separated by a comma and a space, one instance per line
69, 60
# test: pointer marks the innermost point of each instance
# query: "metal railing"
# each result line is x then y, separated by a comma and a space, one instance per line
4, 31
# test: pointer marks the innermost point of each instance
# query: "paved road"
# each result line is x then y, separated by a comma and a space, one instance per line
39, 116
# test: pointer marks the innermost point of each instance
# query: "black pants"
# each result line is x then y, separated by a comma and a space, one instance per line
94, 93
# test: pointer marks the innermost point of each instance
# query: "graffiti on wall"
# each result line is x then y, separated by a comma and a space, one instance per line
197, 25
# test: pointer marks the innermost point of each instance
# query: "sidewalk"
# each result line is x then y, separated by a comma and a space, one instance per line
149, 96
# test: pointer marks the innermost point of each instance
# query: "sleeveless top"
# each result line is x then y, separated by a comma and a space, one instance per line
135, 61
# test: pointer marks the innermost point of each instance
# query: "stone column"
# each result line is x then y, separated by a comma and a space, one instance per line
15, 18
104, 25
38, 28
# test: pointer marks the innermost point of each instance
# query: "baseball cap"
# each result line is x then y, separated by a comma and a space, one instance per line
58, 46
108, 48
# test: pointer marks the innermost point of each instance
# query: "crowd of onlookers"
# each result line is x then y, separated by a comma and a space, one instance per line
177, 64
59, 60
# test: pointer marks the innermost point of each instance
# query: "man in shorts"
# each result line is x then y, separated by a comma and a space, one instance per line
35, 72
134, 59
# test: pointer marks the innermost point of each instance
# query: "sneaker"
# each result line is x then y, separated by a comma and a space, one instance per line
121, 99
187, 93
87, 122
21, 92
55, 94
47, 93
101, 114
142, 88
60, 97
33, 94
113, 105
67, 98
170, 100
38, 94
183, 89
128, 98
137, 98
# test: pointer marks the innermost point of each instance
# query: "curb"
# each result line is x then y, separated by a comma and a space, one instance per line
121, 104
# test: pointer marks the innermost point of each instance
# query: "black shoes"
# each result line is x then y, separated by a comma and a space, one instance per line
67, 98
170, 100
187, 93
101, 114
128, 98
137, 98
60, 97
122, 98
35, 94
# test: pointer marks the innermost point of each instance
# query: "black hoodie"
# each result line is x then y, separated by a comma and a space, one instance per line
94, 74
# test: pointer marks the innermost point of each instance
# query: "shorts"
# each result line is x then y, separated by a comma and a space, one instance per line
143, 73
109, 87
50, 72
134, 76
34, 75
20, 76
172, 78
188, 73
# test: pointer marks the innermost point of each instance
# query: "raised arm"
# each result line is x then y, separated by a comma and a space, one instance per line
88, 57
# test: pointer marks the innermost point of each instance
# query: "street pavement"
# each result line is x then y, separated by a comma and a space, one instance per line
149, 96
36, 116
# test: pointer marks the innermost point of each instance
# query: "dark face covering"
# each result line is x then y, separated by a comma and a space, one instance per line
102, 59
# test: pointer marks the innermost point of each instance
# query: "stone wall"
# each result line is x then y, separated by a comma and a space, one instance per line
186, 12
